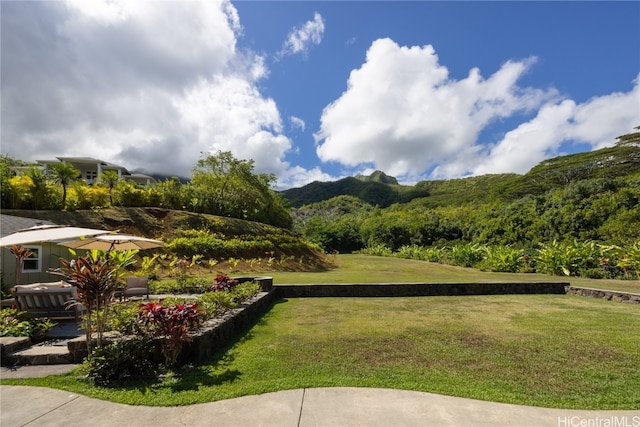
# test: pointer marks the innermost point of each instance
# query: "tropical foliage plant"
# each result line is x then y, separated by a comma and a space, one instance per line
64, 174
96, 277
121, 361
16, 323
172, 323
20, 253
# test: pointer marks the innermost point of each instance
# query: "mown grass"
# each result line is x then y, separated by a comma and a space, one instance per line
356, 268
543, 350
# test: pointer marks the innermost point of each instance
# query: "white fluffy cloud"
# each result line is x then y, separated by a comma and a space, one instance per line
402, 113
297, 123
301, 39
596, 122
99, 79
153, 85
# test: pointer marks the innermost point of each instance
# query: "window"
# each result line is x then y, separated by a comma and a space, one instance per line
91, 176
33, 263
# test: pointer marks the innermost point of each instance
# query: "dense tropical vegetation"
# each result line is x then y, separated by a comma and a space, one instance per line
220, 185
575, 203
582, 208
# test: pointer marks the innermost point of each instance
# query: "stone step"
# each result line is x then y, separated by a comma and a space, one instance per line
49, 353
10, 345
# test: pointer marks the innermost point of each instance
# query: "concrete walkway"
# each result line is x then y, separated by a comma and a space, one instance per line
35, 406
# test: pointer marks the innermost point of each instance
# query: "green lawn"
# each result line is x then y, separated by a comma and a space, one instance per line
373, 269
546, 350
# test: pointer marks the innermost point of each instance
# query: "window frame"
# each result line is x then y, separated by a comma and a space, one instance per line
37, 250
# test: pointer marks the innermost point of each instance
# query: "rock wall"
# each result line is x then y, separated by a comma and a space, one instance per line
212, 336
417, 289
606, 295
218, 333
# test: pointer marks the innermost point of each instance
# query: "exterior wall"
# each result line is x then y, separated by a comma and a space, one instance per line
50, 258
87, 172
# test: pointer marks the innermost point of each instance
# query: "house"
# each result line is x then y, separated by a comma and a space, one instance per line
44, 255
90, 169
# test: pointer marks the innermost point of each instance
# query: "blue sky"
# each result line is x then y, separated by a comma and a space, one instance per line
319, 90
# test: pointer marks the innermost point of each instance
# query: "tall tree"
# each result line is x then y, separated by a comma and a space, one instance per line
224, 185
6, 173
110, 179
63, 174
39, 189
215, 177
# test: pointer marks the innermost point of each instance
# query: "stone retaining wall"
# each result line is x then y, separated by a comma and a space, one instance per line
213, 335
418, 289
218, 333
606, 295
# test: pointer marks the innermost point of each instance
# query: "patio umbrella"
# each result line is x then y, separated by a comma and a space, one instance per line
48, 233
114, 242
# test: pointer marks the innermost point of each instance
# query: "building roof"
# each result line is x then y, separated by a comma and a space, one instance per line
10, 223
87, 161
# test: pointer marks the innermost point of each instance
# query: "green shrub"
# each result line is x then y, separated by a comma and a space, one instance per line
14, 323
377, 250
188, 285
466, 254
411, 252
434, 254
215, 303
246, 290
572, 258
124, 318
215, 245
504, 259
121, 361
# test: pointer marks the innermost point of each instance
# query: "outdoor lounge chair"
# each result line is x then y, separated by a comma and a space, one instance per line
54, 300
136, 286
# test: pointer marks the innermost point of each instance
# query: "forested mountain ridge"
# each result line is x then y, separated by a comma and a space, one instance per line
370, 191
382, 190
378, 176
592, 196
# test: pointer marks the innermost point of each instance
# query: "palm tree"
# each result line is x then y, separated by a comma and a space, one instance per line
39, 187
64, 174
110, 179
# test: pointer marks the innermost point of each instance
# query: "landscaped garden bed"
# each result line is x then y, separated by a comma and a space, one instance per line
212, 335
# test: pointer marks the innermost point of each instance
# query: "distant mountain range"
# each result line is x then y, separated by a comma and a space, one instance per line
376, 189
383, 190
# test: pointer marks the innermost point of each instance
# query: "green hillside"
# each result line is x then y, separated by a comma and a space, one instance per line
382, 190
585, 197
187, 234
378, 176
370, 191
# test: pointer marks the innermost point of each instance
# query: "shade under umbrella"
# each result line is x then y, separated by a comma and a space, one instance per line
48, 233
114, 242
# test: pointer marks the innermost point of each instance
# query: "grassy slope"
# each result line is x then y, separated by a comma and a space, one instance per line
165, 224
371, 269
148, 222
